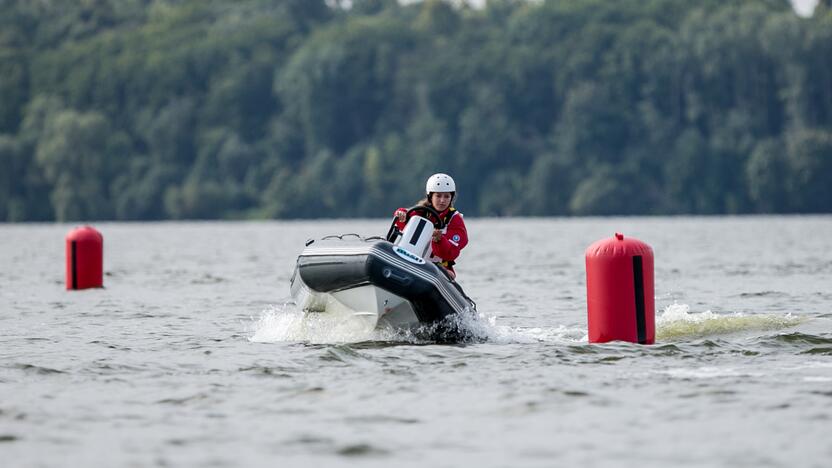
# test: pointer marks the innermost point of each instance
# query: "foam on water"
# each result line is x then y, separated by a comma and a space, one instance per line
287, 323
677, 322
340, 325
504, 334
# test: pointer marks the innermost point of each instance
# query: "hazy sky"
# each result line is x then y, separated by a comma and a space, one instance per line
802, 7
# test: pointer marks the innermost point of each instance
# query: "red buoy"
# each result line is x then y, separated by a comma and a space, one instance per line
84, 258
619, 291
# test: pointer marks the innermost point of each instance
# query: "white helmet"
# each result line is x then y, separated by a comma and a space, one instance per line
440, 183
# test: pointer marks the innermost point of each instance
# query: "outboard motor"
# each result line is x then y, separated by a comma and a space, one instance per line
416, 236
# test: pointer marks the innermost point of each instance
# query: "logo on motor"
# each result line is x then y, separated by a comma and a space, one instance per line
410, 257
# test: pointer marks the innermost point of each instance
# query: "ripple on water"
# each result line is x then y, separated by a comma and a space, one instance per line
381, 419
265, 371
769, 294
181, 401
37, 370
803, 343
344, 354
797, 338
361, 450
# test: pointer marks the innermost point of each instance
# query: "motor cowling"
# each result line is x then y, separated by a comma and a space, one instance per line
416, 236
619, 287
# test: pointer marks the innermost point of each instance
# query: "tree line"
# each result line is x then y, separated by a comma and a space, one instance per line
200, 109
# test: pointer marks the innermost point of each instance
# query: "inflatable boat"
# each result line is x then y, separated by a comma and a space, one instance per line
385, 281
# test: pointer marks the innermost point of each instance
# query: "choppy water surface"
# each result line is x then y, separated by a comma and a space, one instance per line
193, 354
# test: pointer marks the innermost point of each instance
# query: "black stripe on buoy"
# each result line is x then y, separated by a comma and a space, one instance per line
418, 233
638, 281
74, 267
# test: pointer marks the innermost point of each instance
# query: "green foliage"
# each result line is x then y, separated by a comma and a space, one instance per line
137, 109
76, 153
810, 163
338, 83
12, 167
13, 89
766, 173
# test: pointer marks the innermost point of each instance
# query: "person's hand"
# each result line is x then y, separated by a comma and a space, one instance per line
401, 215
437, 235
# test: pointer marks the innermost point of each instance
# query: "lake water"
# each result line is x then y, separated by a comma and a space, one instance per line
193, 354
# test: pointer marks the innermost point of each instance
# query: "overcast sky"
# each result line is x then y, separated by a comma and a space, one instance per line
802, 7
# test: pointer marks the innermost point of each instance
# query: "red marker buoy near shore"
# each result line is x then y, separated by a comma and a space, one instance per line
619, 291
84, 258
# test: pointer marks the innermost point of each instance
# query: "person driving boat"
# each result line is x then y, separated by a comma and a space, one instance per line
448, 242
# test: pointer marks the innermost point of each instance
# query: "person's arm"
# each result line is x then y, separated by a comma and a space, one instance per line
453, 241
401, 218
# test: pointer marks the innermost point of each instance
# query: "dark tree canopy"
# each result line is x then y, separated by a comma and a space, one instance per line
183, 109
